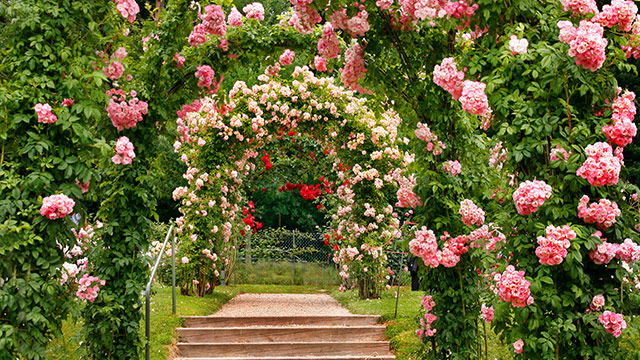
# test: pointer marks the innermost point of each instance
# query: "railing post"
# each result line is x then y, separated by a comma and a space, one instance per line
173, 274
147, 292
147, 324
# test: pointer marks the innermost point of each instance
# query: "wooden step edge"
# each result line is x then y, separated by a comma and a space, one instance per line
352, 316
336, 357
291, 327
373, 342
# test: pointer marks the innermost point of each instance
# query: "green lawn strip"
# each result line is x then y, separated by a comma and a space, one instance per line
401, 329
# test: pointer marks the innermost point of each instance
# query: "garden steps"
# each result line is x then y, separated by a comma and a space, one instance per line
343, 337
237, 321
281, 334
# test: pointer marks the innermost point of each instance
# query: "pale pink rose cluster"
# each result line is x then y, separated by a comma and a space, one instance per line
604, 252
44, 114
628, 251
470, 93
486, 313
580, 7
552, 249
179, 59
530, 195
603, 213
354, 69
632, 47
425, 246
287, 57
235, 17
597, 303
587, 43
406, 196
613, 323
304, 17
473, 98
471, 213
205, 75
558, 153
128, 9
498, 156
329, 45
518, 46
486, 237
213, 20
518, 346
602, 167
447, 76
88, 287
623, 130
254, 10
124, 152
213, 23
425, 322
115, 69
423, 132
427, 302
320, 63
453, 167
56, 206
513, 287
621, 12
69, 270
125, 114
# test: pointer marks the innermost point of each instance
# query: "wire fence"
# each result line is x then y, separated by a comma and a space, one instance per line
285, 245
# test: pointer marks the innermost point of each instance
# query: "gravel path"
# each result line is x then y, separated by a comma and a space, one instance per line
281, 305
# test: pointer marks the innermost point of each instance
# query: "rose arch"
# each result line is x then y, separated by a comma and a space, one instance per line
221, 141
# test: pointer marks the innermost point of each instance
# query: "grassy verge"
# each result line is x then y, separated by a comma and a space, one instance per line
163, 323
286, 273
401, 329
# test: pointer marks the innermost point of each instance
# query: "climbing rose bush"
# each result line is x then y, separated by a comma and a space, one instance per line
57, 206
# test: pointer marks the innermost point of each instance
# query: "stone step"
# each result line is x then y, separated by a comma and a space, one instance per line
284, 349
219, 321
346, 357
281, 334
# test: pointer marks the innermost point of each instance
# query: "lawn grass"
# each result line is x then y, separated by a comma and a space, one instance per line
285, 273
401, 329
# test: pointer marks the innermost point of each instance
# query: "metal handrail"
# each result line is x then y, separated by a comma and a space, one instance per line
147, 292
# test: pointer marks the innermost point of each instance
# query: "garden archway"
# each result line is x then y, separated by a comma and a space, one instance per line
220, 142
